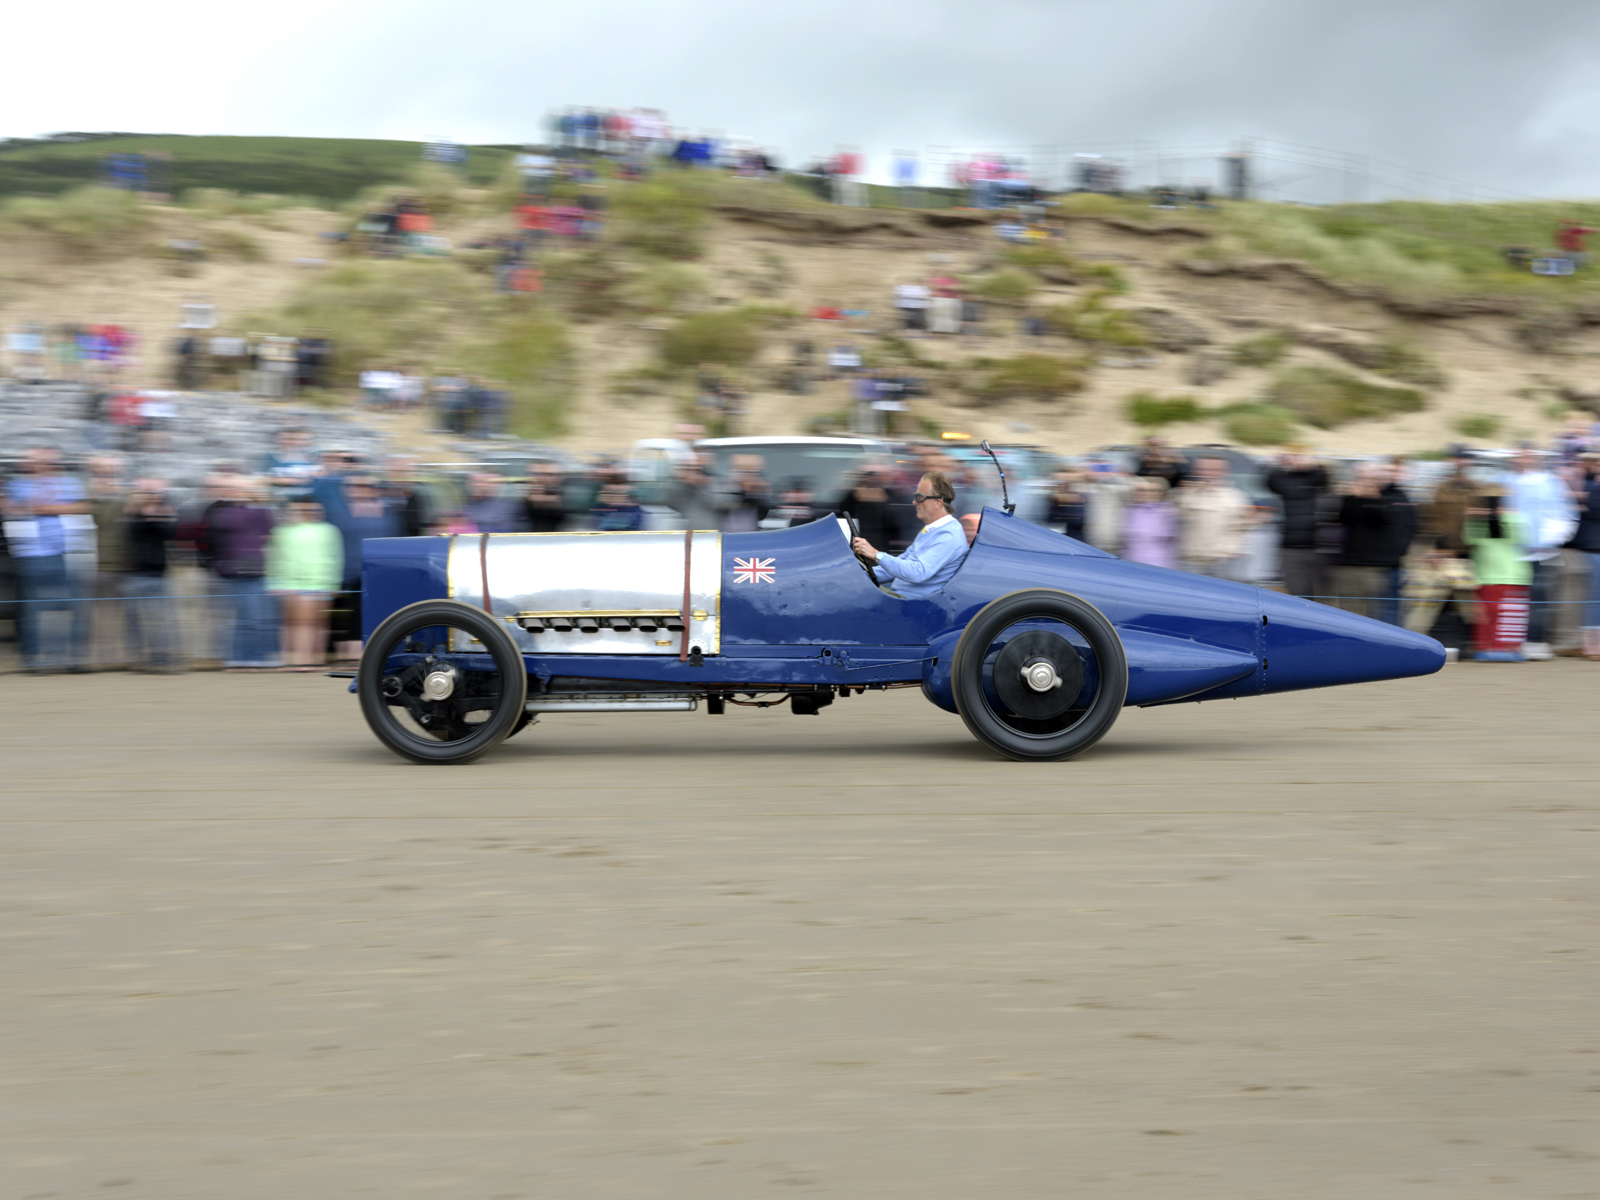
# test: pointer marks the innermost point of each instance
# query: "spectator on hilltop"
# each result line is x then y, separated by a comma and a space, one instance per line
911, 299
1570, 236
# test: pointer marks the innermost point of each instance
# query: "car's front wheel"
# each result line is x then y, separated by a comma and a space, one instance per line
442, 682
1039, 675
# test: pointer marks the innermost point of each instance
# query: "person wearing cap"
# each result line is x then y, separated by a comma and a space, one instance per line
934, 555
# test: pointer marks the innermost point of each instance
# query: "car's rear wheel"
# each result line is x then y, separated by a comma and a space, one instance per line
442, 682
1039, 675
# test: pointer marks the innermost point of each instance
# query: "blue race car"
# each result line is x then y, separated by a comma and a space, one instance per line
1037, 642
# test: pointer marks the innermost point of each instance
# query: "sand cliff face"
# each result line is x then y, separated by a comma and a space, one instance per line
852, 262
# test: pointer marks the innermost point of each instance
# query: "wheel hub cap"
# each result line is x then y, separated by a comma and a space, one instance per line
1041, 676
1038, 675
439, 684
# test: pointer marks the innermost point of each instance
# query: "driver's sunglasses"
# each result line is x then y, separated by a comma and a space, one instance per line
918, 497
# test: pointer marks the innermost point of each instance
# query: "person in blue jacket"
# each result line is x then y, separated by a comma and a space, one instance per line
936, 553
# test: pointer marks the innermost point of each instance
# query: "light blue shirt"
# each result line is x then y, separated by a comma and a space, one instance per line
1548, 508
40, 537
929, 562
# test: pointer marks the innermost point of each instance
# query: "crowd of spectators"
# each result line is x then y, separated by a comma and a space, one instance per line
79, 352
258, 567
1499, 559
245, 572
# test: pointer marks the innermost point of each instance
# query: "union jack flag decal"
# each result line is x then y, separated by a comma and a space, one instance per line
754, 570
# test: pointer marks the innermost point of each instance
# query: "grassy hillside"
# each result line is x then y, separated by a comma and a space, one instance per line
1411, 249
332, 169
1218, 314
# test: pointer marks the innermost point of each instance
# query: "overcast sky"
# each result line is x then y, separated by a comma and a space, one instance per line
1496, 94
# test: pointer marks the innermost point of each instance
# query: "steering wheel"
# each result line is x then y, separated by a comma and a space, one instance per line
855, 532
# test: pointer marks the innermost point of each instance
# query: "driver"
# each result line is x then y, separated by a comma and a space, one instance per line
933, 558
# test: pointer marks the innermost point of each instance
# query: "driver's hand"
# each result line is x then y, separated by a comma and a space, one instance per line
864, 548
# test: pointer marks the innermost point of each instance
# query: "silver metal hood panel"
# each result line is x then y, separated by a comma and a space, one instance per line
612, 573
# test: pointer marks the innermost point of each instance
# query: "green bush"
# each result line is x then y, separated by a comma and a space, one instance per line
1262, 350
665, 215
1260, 425
1002, 287
333, 168
235, 243
531, 355
1097, 204
386, 312
1403, 361
1048, 262
1327, 398
894, 348
1103, 275
588, 282
729, 338
84, 219
439, 188
1027, 377
1477, 425
1092, 320
223, 202
664, 287
1150, 410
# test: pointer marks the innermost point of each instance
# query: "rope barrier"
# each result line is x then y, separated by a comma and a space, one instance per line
161, 596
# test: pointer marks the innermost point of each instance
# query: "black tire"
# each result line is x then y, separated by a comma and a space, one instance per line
1061, 722
396, 707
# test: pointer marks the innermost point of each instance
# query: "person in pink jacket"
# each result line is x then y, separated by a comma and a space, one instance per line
1150, 525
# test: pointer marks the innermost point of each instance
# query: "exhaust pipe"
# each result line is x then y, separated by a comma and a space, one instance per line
556, 704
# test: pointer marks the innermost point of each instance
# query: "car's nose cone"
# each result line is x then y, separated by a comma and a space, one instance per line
1309, 645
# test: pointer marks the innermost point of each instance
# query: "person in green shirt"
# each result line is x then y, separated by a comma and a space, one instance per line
305, 562
1497, 538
